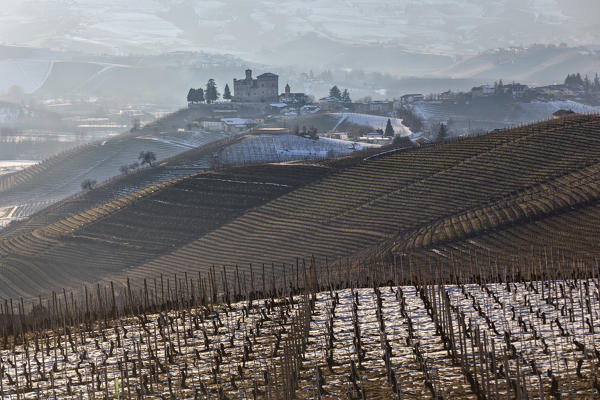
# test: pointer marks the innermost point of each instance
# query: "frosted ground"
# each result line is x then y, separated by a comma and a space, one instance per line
202, 351
374, 121
280, 148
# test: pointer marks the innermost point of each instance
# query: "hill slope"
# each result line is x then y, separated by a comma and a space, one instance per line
391, 196
507, 192
137, 227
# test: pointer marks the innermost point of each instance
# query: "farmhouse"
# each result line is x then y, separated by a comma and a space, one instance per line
238, 124
483, 91
562, 113
411, 98
228, 124
518, 90
330, 103
263, 89
378, 107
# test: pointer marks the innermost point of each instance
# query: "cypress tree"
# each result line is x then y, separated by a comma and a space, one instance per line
211, 93
227, 92
191, 95
346, 97
335, 92
389, 129
199, 95
443, 132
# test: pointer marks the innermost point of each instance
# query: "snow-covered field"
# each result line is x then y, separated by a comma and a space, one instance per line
375, 121
6, 167
279, 148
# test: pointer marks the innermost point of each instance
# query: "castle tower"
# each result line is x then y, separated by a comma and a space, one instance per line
248, 74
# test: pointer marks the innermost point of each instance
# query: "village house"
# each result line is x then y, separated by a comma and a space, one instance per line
411, 98
331, 103
238, 124
212, 125
374, 107
518, 90
263, 89
228, 124
448, 96
483, 91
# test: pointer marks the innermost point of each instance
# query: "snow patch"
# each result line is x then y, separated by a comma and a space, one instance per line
375, 121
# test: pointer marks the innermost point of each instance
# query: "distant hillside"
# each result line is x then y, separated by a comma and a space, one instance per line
59, 177
537, 64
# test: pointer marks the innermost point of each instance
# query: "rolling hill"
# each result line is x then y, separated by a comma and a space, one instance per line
508, 193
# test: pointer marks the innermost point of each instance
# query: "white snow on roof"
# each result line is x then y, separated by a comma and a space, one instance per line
238, 121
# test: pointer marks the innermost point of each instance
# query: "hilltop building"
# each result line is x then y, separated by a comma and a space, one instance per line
263, 89
293, 99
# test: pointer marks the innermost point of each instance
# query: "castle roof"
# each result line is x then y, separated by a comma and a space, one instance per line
268, 75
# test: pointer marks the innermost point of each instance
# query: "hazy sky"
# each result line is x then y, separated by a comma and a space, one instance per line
239, 26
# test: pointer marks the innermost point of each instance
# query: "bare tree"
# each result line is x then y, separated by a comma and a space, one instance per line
88, 184
147, 157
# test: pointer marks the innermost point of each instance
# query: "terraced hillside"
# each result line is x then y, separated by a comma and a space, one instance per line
181, 165
388, 199
43, 184
424, 201
138, 227
566, 225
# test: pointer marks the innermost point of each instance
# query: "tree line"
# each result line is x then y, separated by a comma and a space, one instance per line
585, 83
209, 94
344, 96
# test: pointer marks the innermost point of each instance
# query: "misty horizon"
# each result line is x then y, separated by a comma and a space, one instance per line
248, 29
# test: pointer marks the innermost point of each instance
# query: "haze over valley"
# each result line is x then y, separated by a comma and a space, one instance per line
260, 199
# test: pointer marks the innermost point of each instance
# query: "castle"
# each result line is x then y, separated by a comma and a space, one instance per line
263, 89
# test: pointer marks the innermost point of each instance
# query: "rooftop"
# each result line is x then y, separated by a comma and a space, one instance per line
268, 75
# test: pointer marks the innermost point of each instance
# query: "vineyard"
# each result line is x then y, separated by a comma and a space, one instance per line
525, 179
60, 176
378, 331
137, 227
461, 270
464, 200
